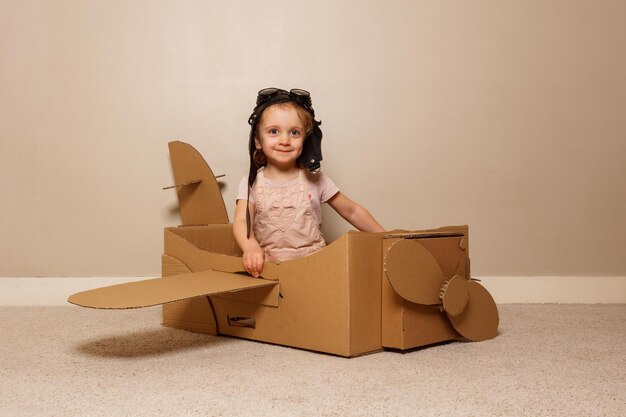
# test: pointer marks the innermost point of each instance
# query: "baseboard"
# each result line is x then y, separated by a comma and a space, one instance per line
562, 290
48, 291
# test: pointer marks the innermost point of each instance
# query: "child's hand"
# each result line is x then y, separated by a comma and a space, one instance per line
253, 260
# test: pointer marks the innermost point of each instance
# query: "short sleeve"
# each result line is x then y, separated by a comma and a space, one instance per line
242, 193
326, 187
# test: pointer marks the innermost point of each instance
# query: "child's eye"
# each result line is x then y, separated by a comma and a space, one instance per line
296, 132
273, 131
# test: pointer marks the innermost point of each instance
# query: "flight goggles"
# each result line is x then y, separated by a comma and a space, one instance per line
269, 96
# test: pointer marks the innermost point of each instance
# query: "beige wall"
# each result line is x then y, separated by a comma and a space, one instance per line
505, 115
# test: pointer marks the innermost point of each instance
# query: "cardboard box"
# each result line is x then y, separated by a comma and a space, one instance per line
360, 294
327, 302
408, 324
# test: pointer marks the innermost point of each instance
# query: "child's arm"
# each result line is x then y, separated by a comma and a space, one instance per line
355, 214
253, 255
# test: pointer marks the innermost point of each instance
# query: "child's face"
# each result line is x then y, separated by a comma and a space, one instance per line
280, 136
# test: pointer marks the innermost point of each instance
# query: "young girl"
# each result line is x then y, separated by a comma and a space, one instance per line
278, 213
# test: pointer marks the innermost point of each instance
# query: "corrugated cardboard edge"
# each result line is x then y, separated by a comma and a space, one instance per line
446, 231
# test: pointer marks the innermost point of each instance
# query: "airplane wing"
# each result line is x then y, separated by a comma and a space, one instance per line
173, 288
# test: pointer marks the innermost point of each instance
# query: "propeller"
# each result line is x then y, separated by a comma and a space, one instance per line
416, 276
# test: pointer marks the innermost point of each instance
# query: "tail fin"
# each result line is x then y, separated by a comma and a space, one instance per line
199, 197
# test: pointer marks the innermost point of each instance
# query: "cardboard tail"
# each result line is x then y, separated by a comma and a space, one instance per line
199, 196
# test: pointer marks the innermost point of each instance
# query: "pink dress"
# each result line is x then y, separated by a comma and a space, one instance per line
285, 224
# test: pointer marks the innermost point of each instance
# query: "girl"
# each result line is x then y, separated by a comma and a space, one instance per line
278, 213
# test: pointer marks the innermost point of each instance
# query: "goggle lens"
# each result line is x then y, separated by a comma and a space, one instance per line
300, 92
300, 96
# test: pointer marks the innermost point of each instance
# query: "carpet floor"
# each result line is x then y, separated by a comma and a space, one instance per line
548, 360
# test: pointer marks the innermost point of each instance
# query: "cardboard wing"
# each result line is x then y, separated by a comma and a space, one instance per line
158, 291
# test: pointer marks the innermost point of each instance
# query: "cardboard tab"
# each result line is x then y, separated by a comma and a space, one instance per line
185, 184
157, 291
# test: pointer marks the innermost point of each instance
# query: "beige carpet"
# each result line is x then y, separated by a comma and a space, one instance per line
549, 360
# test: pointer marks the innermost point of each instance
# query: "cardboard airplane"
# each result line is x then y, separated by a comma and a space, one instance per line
362, 293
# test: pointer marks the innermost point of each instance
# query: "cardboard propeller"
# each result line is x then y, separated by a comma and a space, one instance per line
416, 276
